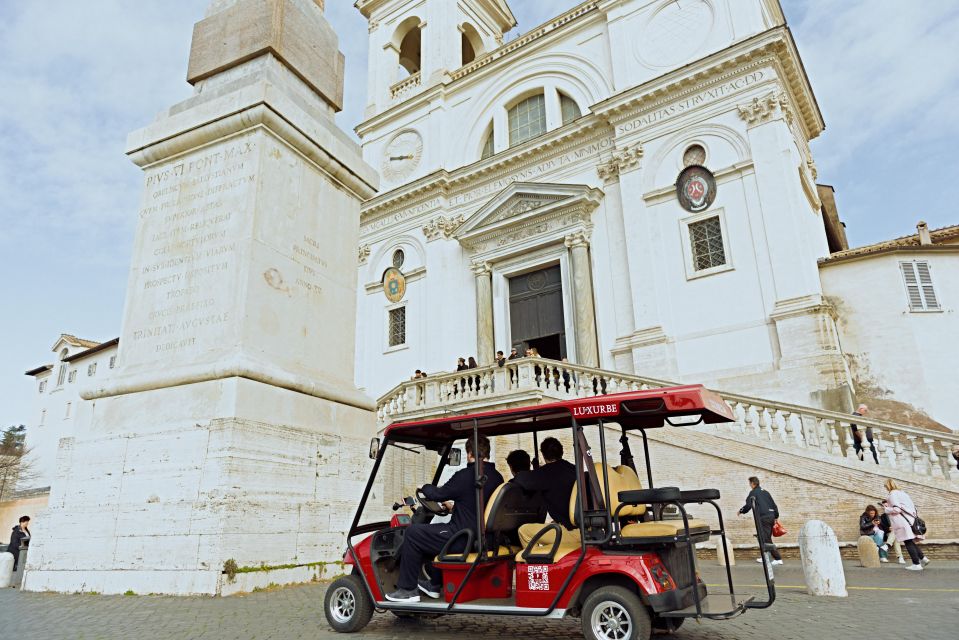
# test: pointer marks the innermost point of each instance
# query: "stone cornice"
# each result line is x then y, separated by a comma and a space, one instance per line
447, 183
621, 161
761, 109
774, 46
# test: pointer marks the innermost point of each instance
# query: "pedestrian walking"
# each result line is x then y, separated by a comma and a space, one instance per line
768, 514
862, 411
20, 536
902, 514
870, 524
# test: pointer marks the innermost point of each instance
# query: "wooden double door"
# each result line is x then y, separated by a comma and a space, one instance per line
536, 312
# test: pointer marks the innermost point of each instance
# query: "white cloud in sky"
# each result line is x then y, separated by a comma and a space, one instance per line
76, 77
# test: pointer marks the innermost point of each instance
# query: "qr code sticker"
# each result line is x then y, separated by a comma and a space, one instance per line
538, 577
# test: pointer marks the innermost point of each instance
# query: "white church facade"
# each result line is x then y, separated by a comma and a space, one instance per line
529, 195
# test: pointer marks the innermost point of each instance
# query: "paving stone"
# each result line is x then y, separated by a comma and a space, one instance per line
897, 604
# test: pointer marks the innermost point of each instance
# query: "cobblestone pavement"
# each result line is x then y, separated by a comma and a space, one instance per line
897, 604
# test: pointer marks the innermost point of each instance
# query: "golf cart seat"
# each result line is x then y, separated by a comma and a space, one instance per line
508, 508
660, 531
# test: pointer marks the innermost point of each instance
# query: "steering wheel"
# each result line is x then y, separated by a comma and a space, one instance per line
436, 508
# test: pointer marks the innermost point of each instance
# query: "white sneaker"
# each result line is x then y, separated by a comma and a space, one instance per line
914, 567
884, 547
777, 562
885, 560
759, 560
902, 560
925, 561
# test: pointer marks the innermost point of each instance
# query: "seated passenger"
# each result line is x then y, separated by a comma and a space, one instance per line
554, 480
423, 541
519, 463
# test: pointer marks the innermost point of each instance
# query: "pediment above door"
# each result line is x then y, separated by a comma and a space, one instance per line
528, 212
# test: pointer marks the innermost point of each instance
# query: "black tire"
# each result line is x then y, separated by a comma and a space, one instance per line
347, 606
414, 617
615, 613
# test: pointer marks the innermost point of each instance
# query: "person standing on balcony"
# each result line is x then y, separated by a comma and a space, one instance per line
862, 412
514, 354
902, 513
500, 359
768, 514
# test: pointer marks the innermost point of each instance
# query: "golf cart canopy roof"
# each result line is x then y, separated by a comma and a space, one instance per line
673, 406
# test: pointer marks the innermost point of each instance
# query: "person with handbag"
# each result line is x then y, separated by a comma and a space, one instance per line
908, 527
768, 516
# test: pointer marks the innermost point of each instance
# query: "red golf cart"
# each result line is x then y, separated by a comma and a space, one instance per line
631, 568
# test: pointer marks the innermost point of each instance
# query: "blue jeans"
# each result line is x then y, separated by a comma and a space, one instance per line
877, 538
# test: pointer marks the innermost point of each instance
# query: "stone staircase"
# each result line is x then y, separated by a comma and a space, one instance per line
804, 455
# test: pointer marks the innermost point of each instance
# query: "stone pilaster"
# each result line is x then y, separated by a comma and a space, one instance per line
587, 348
484, 312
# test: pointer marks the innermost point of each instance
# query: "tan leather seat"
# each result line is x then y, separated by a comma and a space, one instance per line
663, 529
502, 551
621, 478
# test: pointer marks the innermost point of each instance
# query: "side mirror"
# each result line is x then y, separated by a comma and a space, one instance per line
374, 448
456, 457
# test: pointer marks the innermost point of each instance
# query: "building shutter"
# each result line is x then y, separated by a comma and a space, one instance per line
919, 288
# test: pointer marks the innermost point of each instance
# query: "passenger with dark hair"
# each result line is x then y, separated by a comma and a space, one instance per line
519, 462
423, 541
19, 535
554, 480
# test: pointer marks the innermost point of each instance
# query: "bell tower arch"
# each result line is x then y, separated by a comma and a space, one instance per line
414, 45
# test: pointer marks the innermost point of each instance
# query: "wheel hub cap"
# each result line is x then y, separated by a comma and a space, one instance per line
342, 604
611, 621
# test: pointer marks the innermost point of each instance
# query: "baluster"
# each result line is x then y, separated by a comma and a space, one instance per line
644, 387
789, 430
881, 446
820, 428
583, 381
748, 427
935, 470
833, 432
850, 446
895, 453
612, 385
951, 473
914, 454
737, 426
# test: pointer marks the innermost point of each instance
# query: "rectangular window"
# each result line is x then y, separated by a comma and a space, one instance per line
43, 416
72, 376
113, 361
91, 369
527, 119
920, 292
397, 326
706, 242
61, 375
67, 414
43, 386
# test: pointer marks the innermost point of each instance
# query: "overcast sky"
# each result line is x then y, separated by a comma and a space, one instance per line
76, 77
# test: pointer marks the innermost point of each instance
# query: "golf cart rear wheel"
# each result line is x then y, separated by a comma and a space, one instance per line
615, 613
347, 606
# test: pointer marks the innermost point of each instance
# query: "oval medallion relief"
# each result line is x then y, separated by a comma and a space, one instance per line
675, 32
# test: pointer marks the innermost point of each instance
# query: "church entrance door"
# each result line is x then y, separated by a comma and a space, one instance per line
536, 312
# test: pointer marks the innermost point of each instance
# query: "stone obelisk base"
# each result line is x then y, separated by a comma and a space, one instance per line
160, 504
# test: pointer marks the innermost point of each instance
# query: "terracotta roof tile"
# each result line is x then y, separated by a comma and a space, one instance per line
941, 236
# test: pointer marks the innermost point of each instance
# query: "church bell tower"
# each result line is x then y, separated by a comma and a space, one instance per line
415, 45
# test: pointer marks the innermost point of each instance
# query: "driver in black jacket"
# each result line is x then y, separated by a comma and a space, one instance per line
423, 541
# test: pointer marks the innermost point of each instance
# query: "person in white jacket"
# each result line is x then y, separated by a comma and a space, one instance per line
902, 513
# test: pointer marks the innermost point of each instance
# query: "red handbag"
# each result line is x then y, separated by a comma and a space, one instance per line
779, 530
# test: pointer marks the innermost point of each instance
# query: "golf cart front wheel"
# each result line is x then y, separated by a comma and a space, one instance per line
347, 606
615, 613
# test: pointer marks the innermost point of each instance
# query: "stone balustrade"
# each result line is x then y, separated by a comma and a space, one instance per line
529, 380
405, 87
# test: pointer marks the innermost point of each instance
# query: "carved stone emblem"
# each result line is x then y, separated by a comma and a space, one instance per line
442, 226
364, 253
696, 188
394, 284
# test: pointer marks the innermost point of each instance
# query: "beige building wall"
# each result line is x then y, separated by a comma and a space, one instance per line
903, 362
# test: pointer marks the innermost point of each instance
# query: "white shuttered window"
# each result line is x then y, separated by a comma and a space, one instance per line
919, 288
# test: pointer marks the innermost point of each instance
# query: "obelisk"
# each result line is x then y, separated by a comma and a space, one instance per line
231, 429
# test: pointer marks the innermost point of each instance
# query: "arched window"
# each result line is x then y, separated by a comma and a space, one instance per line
694, 155
488, 145
410, 48
569, 108
527, 119
472, 43
62, 374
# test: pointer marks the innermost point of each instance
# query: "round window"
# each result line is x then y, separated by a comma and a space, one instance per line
398, 258
694, 155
